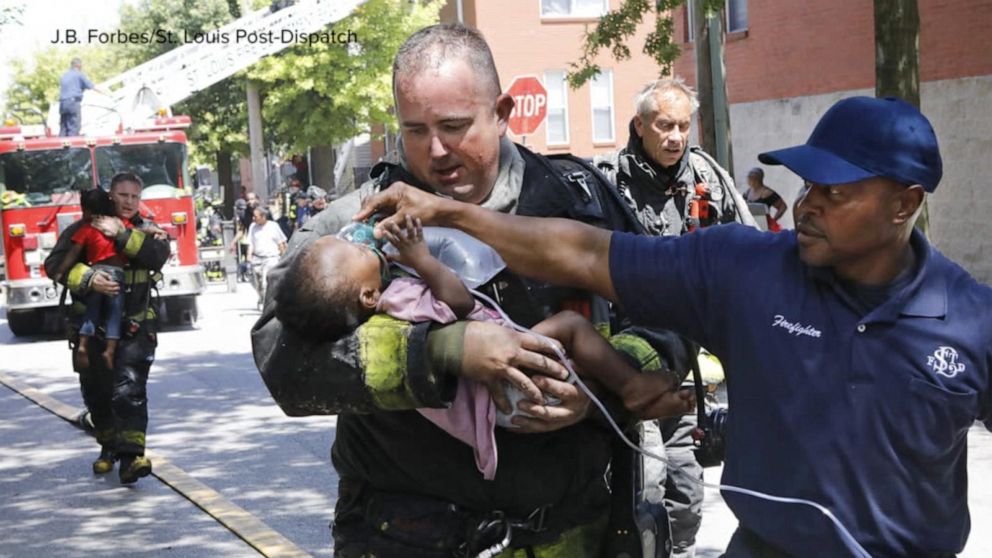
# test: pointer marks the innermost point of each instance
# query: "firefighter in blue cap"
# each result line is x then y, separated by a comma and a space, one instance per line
857, 355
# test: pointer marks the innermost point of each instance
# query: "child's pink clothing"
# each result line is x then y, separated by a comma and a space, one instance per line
472, 415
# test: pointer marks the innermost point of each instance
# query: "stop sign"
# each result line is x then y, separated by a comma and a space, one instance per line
530, 105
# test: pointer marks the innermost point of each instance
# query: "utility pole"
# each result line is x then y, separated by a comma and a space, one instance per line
714, 109
259, 176
256, 149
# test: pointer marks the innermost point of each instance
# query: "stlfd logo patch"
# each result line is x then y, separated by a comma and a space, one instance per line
944, 361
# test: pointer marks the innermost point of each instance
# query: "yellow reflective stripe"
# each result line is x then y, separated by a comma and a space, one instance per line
583, 541
134, 243
382, 352
133, 437
603, 328
75, 278
642, 351
133, 276
143, 315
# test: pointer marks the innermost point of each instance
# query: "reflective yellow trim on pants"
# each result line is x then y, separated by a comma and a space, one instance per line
133, 437
642, 351
74, 280
134, 242
382, 352
134, 276
584, 541
143, 315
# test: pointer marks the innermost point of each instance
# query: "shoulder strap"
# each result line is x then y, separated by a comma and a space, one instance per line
384, 173
590, 184
743, 212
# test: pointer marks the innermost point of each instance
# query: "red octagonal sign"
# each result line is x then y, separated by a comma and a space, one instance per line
530, 105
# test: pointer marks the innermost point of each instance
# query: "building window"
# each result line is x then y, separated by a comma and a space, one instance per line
601, 90
557, 124
736, 15
573, 8
735, 10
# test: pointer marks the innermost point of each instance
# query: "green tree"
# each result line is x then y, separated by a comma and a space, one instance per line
615, 29
218, 112
323, 94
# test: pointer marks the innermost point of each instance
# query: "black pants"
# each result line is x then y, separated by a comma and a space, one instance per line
395, 525
117, 399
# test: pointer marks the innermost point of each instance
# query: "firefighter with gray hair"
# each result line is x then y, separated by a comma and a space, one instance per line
673, 188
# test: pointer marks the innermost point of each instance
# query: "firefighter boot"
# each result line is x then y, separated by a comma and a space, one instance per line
105, 463
133, 467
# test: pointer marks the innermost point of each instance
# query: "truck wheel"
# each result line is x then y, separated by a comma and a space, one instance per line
25, 322
181, 310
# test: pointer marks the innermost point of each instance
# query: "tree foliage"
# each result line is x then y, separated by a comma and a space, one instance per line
322, 94
616, 27
219, 112
316, 94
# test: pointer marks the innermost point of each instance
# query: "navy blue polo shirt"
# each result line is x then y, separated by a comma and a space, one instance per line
72, 84
867, 415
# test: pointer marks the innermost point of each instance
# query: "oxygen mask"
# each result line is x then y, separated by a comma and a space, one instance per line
363, 232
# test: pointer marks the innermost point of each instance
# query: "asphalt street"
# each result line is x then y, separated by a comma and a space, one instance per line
214, 425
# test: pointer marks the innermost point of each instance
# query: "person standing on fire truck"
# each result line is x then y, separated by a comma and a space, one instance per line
72, 84
117, 398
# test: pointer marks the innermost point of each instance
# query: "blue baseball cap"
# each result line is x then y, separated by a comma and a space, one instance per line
864, 137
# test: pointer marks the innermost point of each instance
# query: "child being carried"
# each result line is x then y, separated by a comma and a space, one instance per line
337, 284
99, 252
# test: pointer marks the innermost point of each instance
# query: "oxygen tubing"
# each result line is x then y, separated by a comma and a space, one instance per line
852, 544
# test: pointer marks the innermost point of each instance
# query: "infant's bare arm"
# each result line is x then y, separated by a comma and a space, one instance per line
443, 283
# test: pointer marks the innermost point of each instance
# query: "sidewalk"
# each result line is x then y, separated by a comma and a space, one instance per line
51, 504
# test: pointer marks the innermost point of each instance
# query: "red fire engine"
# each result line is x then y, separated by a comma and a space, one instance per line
40, 180
130, 128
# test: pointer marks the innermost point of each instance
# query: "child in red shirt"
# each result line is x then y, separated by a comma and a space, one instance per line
101, 254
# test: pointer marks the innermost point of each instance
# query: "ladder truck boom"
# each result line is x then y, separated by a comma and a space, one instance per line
140, 93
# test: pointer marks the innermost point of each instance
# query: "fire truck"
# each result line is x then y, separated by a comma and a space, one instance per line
42, 177
131, 129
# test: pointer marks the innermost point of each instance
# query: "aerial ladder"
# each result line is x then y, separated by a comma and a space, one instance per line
150, 89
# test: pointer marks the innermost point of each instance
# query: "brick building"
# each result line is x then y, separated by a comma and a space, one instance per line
786, 63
